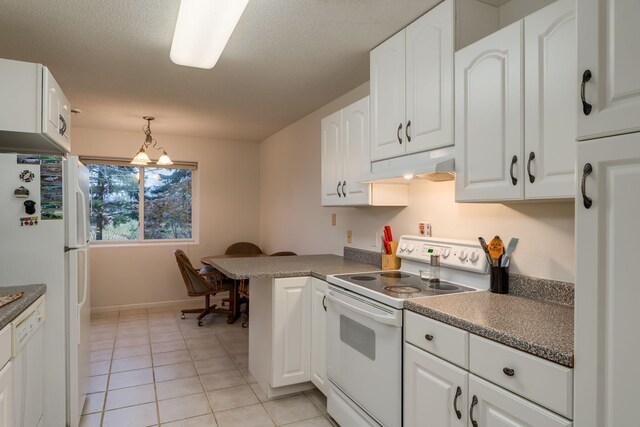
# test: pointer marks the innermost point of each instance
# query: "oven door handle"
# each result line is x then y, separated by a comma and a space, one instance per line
388, 320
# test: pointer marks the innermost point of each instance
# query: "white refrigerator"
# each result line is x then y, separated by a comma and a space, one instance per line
44, 234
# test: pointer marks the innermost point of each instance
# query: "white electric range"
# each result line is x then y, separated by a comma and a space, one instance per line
364, 325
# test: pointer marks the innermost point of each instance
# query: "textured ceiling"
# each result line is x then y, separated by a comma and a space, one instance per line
285, 59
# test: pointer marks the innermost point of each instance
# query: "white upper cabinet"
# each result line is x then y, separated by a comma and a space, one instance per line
331, 157
515, 110
608, 51
35, 115
412, 87
387, 86
550, 101
489, 116
355, 152
429, 80
345, 157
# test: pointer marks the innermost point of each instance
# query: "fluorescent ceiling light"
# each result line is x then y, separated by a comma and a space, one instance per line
203, 30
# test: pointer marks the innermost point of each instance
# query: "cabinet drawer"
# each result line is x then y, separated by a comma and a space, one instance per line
544, 382
5, 345
445, 341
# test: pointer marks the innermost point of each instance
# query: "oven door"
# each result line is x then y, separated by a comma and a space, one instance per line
364, 354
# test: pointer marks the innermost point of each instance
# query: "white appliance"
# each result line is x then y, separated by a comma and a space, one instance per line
364, 325
44, 221
28, 365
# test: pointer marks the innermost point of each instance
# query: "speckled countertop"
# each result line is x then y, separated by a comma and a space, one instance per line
10, 311
289, 266
538, 327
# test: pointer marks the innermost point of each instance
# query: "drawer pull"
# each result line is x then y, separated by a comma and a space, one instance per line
509, 372
474, 402
455, 403
428, 337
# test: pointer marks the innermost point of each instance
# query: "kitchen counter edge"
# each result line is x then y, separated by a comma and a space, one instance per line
526, 344
10, 311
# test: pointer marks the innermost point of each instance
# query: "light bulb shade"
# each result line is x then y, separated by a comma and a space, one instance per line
141, 158
203, 29
164, 160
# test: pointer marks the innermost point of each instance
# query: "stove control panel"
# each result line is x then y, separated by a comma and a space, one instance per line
460, 254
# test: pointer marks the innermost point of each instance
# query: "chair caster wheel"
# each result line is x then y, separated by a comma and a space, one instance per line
245, 324
199, 322
183, 317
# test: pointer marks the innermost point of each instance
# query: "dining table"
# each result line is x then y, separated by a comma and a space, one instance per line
234, 296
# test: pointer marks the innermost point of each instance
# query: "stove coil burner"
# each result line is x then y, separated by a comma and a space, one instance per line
402, 289
394, 275
363, 278
443, 287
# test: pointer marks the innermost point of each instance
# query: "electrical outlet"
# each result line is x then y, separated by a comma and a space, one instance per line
349, 236
375, 240
333, 219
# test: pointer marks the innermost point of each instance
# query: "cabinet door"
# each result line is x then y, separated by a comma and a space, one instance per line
489, 115
491, 405
319, 335
607, 316
6, 396
550, 101
355, 155
387, 86
429, 50
56, 114
609, 47
331, 159
433, 391
291, 331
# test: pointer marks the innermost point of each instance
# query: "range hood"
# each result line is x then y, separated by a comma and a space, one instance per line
434, 165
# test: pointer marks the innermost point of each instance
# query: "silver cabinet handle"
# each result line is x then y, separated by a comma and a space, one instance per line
586, 107
398, 133
532, 177
474, 402
455, 403
344, 185
586, 200
508, 372
338, 189
406, 131
514, 160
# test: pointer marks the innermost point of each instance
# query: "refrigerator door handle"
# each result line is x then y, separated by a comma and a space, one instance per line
83, 203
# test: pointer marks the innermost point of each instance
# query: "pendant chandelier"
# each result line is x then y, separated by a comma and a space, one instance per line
142, 158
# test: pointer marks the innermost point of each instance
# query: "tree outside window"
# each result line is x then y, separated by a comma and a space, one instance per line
140, 203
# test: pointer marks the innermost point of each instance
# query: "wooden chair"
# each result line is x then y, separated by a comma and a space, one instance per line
284, 253
243, 248
201, 284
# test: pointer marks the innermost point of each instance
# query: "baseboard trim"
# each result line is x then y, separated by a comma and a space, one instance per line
187, 302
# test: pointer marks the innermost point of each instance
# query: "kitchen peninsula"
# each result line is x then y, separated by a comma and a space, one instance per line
287, 326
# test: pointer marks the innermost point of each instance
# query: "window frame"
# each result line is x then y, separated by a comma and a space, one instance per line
141, 241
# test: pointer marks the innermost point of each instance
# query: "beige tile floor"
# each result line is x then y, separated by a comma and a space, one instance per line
151, 368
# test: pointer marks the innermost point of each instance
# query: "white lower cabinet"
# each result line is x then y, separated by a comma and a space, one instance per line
6, 396
319, 335
291, 331
435, 391
492, 406
440, 394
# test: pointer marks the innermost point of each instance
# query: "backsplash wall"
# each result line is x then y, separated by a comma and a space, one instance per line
291, 217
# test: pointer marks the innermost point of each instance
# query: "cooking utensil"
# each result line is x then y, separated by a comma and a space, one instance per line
485, 248
496, 249
511, 247
387, 233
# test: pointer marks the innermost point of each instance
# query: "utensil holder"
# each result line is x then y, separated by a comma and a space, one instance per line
499, 280
391, 262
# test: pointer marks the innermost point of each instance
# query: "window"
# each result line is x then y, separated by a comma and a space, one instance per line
140, 203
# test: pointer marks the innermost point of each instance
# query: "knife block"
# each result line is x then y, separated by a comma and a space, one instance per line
391, 262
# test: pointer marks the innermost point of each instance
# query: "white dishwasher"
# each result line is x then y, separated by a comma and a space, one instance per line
28, 365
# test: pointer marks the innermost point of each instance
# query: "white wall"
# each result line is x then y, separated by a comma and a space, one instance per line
291, 217
514, 10
227, 194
